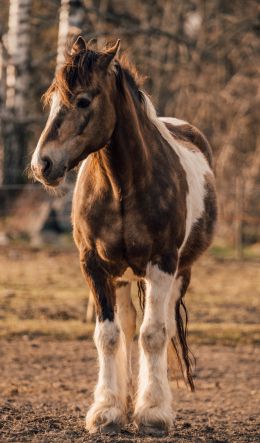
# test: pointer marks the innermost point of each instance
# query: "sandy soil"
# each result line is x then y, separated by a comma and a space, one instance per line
46, 387
48, 362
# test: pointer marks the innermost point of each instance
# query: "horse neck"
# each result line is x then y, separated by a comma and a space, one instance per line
128, 151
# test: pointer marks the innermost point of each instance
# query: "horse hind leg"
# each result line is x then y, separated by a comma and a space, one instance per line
127, 319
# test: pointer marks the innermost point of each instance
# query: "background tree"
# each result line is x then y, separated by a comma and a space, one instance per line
16, 91
72, 19
201, 63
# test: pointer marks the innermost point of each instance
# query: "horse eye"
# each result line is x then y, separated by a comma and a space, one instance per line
83, 102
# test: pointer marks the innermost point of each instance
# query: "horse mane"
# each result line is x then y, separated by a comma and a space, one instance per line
125, 68
79, 67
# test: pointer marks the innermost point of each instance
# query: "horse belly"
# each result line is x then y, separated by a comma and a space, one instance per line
128, 275
202, 230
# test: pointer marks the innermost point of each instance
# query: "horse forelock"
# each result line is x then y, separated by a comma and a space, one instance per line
79, 68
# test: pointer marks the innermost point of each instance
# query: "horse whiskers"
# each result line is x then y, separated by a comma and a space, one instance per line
29, 173
57, 191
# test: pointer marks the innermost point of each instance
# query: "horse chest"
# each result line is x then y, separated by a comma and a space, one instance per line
102, 225
104, 229
127, 232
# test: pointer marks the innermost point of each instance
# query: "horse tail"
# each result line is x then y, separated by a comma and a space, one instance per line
182, 332
141, 294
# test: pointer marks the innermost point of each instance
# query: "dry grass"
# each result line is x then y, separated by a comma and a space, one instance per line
42, 293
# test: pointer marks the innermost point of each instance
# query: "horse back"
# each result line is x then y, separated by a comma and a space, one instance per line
186, 132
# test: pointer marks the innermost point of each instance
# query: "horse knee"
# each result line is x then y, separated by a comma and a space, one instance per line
107, 336
153, 337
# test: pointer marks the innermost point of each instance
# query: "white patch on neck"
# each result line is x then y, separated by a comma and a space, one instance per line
173, 121
81, 168
194, 164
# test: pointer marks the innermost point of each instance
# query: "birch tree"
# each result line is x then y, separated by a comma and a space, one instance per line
16, 91
2, 74
71, 22
2, 101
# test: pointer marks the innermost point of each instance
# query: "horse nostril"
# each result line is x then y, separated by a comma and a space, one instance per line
46, 166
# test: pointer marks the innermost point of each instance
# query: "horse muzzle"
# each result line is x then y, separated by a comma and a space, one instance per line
45, 171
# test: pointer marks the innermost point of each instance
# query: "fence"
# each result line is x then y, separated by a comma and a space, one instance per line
28, 210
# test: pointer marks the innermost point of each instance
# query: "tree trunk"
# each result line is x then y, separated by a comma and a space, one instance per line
2, 103
71, 22
239, 218
17, 86
2, 74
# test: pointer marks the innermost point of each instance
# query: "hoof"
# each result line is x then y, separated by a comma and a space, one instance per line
110, 429
104, 420
106, 429
154, 430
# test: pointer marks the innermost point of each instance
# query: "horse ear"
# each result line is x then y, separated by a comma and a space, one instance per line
79, 45
91, 43
112, 52
109, 55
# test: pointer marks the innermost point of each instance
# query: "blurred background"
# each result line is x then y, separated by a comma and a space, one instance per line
201, 62
200, 59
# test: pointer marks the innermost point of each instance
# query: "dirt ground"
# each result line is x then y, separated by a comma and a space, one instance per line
46, 387
48, 363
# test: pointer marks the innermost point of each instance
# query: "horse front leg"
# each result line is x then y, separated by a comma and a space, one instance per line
153, 410
108, 412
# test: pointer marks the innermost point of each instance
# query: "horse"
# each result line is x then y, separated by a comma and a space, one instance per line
144, 209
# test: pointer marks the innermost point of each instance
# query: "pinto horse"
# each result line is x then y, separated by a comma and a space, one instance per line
144, 209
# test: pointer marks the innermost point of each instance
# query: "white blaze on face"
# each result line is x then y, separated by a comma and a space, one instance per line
55, 107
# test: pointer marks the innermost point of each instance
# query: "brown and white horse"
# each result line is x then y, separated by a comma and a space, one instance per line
144, 209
